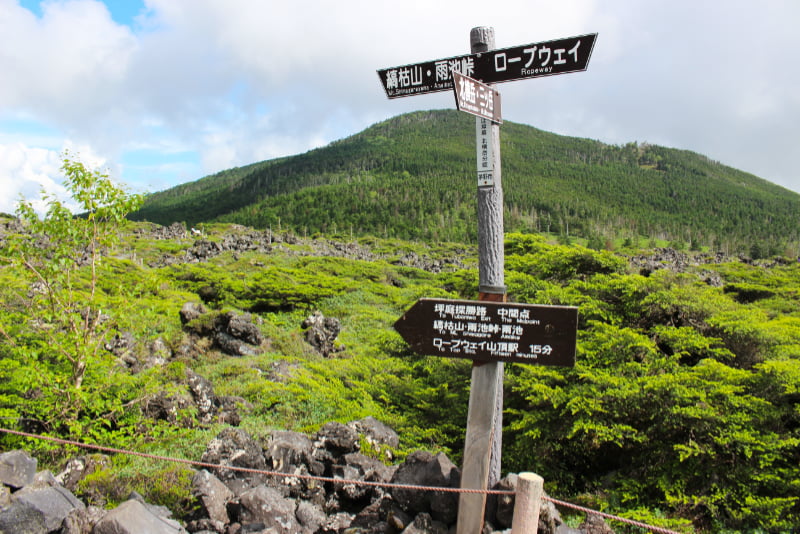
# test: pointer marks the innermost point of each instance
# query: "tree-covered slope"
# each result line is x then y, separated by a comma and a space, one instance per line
413, 177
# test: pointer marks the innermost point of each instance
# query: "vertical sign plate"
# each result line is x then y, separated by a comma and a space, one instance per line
483, 142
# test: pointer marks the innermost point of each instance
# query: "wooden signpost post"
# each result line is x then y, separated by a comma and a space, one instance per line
489, 331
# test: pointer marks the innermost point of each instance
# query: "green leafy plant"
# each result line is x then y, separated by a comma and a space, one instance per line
67, 321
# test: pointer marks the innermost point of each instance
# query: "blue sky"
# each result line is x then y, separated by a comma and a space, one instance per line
161, 92
122, 11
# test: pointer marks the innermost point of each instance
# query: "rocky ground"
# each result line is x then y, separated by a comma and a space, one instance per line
239, 239
290, 500
298, 494
288, 485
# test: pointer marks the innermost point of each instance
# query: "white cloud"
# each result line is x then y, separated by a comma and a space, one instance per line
31, 173
239, 81
67, 65
25, 172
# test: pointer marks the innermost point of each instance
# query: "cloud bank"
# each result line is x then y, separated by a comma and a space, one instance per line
191, 87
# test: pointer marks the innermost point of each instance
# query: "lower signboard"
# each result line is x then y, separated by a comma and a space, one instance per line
492, 331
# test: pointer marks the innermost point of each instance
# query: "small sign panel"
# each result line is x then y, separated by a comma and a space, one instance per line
535, 60
483, 143
476, 98
492, 331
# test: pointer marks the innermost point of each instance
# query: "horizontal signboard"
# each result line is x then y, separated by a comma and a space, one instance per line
534, 60
492, 331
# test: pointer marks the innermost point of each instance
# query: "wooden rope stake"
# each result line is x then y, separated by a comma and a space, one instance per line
528, 500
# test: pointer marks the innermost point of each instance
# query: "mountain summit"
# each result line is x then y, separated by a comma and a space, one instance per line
413, 176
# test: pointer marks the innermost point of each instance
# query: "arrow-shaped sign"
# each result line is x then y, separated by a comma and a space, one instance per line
534, 60
492, 331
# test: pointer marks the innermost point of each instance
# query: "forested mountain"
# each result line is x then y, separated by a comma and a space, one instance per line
413, 177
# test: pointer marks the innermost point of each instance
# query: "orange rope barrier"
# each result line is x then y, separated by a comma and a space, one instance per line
327, 479
248, 469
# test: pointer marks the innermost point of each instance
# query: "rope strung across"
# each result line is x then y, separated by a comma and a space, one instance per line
328, 479
248, 469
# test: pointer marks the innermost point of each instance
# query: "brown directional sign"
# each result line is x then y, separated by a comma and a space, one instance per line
476, 98
535, 60
492, 331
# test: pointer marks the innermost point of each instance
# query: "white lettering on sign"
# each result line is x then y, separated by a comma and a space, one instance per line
465, 66
498, 349
559, 56
476, 95
467, 327
411, 78
537, 59
467, 92
484, 147
442, 71
460, 311
476, 98
492, 330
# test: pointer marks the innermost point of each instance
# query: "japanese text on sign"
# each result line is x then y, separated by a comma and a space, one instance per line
485, 155
476, 98
428, 77
547, 58
483, 330
537, 59
470, 329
